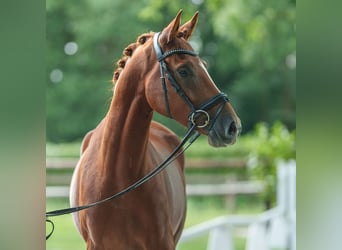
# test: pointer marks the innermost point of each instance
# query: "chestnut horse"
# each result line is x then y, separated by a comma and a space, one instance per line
159, 72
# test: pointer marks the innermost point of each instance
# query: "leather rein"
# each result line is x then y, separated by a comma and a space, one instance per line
190, 136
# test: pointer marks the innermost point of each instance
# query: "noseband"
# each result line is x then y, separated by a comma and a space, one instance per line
196, 112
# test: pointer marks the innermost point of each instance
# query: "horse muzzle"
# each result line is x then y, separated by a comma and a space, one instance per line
224, 132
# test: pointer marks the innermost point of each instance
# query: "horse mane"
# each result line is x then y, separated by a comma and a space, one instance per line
128, 52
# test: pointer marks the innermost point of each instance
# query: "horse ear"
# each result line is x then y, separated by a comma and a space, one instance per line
171, 31
186, 29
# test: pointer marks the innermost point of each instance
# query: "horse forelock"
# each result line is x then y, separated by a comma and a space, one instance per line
128, 52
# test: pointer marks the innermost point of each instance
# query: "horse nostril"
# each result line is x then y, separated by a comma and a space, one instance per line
232, 129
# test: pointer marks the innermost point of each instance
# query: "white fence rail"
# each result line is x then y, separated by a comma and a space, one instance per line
273, 229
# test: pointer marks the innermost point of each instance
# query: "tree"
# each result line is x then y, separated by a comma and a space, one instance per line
263, 33
249, 46
78, 83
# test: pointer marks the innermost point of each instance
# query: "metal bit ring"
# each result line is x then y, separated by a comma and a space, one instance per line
193, 119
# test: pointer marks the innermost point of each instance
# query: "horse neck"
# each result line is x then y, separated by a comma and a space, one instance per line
126, 132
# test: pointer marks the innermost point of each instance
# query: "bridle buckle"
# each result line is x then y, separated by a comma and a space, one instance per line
194, 119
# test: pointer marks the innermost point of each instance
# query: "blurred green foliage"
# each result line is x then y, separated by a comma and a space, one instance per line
268, 145
249, 45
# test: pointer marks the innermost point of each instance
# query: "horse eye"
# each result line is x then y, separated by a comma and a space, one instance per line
183, 72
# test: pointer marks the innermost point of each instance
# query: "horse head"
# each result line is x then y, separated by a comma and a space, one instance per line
188, 87
177, 83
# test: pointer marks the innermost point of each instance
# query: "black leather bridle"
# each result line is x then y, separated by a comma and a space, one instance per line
202, 109
189, 137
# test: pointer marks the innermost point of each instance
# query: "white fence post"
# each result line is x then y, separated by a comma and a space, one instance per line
256, 237
220, 238
283, 227
292, 204
278, 233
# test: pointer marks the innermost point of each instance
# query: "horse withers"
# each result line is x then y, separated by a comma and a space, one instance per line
159, 72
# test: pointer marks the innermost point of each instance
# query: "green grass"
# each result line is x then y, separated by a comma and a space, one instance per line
206, 208
66, 235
